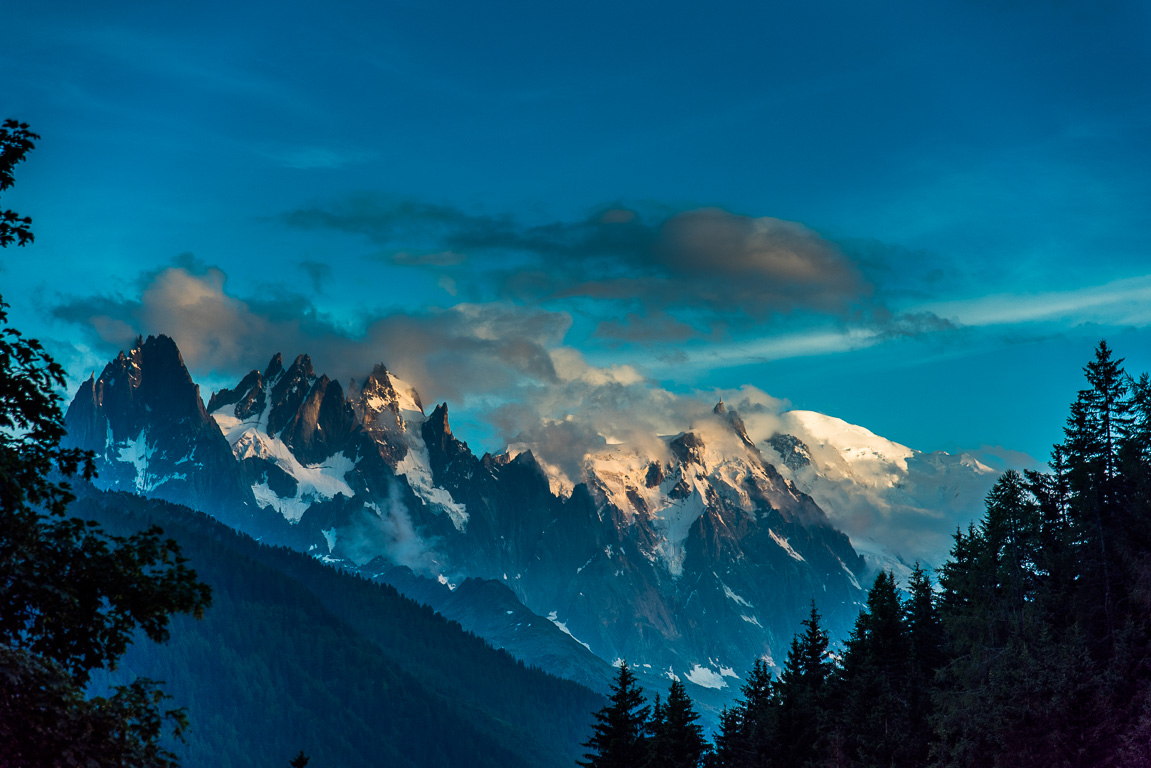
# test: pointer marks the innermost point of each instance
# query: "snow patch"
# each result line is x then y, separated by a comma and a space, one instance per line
675, 521
787, 547
868, 453
292, 508
249, 439
451, 587
553, 618
706, 678
139, 453
417, 468
850, 575
736, 598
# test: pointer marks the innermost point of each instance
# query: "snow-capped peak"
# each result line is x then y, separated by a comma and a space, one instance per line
855, 444
385, 401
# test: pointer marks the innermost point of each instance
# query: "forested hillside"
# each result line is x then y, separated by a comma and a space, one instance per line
294, 654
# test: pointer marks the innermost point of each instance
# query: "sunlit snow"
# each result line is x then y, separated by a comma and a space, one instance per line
417, 468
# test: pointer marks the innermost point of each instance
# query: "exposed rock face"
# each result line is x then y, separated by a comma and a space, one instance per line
696, 561
792, 450
144, 420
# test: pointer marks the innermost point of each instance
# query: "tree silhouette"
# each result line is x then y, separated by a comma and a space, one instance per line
801, 692
677, 737
617, 739
71, 596
15, 142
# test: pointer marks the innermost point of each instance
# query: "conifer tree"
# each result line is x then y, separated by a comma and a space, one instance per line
748, 735
1011, 539
1100, 418
677, 737
655, 723
924, 628
873, 686
801, 692
618, 739
730, 749
1135, 468
925, 649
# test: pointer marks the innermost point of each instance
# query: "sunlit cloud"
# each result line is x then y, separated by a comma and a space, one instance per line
455, 353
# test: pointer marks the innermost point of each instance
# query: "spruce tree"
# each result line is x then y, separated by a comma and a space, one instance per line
1100, 419
759, 738
1011, 532
618, 739
925, 648
677, 737
873, 687
730, 749
924, 628
801, 692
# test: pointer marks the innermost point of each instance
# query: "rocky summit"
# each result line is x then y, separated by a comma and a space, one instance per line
691, 560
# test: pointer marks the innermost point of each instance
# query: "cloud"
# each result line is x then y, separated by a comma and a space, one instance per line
318, 272
454, 353
589, 409
387, 530
655, 327
387, 221
690, 274
760, 265
888, 325
508, 363
1119, 302
914, 274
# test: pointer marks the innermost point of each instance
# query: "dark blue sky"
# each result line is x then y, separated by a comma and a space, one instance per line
919, 217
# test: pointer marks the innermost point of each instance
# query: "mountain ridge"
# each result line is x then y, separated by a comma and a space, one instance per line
691, 562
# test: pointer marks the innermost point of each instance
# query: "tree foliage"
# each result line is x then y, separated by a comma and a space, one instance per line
16, 140
71, 596
618, 737
676, 739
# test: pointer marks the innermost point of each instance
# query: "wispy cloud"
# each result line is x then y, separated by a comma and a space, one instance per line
731, 354
1119, 302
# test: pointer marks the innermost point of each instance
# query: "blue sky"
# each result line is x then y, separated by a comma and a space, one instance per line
919, 217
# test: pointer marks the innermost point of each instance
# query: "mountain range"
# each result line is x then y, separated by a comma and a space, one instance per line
690, 558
